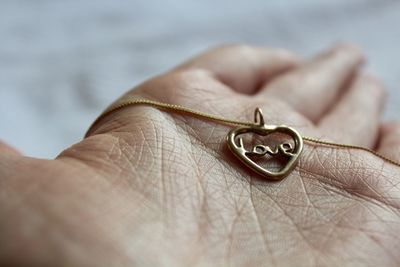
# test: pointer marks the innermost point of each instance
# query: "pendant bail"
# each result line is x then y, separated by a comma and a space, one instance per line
259, 117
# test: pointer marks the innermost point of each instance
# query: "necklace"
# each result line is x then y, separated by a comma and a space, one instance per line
289, 150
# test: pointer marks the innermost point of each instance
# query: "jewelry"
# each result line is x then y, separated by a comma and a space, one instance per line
260, 128
290, 151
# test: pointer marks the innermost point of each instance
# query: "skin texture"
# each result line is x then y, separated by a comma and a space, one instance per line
154, 188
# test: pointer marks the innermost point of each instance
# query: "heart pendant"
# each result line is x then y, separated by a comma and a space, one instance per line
289, 151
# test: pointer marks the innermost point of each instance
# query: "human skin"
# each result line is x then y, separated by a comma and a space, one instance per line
157, 188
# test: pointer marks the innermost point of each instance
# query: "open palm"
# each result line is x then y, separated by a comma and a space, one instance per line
153, 188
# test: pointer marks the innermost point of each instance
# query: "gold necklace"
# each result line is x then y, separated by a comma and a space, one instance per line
235, 143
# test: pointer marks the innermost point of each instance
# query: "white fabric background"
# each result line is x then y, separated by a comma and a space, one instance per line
62, 62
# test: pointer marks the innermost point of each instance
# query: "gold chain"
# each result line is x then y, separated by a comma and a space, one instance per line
174, 107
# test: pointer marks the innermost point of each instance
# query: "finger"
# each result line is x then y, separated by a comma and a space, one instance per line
355, 119
313, 88
243, 68
389, 144
196, 90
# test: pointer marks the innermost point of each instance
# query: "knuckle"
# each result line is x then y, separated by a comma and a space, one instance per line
188, 77
179, 84
181, 78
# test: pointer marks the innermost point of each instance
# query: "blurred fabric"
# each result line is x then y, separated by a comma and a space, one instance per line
63, 62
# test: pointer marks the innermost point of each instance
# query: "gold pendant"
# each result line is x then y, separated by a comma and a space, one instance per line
289, 151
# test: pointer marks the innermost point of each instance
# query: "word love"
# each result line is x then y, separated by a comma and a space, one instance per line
291, 152
262, 150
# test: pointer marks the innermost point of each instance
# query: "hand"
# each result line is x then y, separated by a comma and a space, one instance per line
150, 187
